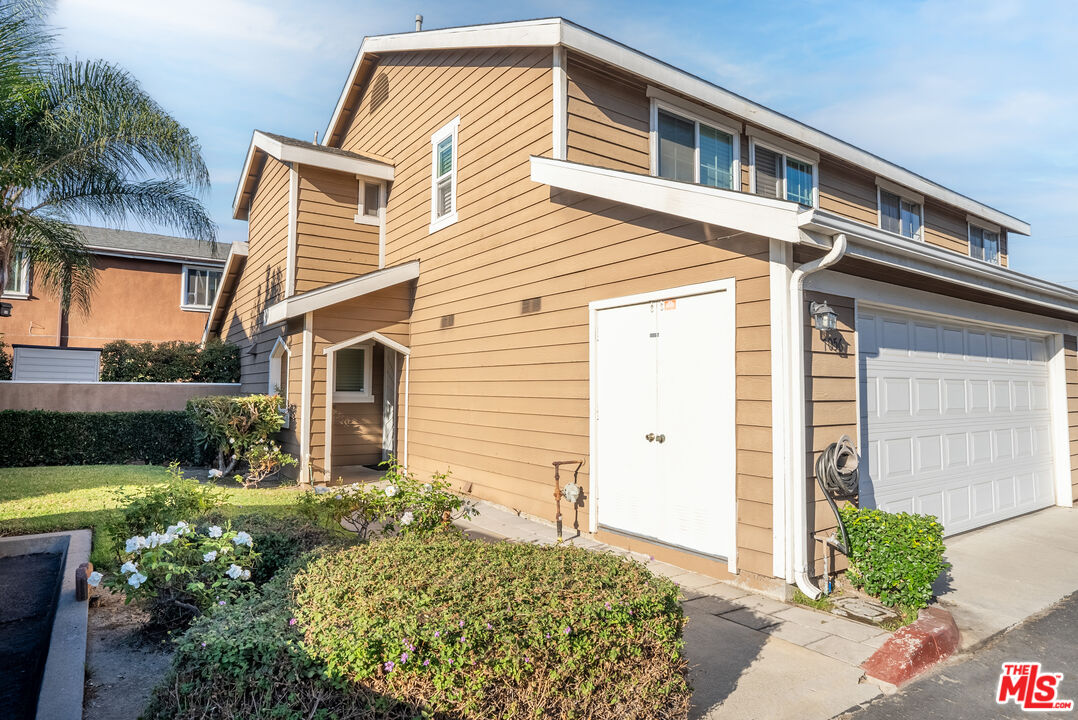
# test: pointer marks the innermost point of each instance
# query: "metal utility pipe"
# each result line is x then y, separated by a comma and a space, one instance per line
798, 450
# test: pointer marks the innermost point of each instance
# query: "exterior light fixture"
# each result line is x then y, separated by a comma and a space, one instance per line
5, 309
824, 318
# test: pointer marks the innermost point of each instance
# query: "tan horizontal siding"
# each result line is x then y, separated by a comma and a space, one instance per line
946, 227
847, 191
608, 119
330, 245
262, 282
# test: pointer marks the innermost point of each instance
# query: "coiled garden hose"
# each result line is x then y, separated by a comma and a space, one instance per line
836, 473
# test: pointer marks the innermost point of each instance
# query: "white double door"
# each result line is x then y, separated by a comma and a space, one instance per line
665, 423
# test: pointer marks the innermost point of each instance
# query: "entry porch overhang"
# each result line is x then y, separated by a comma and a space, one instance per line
323, 297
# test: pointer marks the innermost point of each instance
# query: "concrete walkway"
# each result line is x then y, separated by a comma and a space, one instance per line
1004, 573
751, 656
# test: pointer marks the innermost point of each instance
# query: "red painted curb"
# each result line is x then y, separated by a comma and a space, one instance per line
930, 639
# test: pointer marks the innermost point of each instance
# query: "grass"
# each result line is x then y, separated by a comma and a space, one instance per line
820, 603
49, 499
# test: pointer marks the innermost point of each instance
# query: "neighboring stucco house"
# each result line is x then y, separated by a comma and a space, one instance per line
525, 242
148, 287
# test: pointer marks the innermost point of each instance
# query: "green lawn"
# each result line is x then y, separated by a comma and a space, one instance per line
47, 499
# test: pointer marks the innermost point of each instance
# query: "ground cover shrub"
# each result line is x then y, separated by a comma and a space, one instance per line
400, 504
183, 571
894, 556
171, 361
440, 626
239, 429
5, 362
148, 508
47, 437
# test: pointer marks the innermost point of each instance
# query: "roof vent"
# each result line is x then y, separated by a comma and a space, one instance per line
418, 23
447, 321
531, 305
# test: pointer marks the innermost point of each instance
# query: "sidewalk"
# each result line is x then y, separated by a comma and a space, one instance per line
751, 656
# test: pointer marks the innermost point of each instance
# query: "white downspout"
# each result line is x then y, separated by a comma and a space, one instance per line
404, 444
798, 450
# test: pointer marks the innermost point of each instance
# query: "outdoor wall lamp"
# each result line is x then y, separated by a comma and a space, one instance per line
5, 309
824, 318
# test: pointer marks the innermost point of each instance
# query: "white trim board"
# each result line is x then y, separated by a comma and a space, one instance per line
751, 214
236, 251
340, 292
780, 265
550, 32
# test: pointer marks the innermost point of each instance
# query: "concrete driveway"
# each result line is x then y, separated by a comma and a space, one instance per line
1002, 574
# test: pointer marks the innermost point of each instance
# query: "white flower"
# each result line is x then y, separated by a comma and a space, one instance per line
391, 490
246, 575
128, 567
234, 571
231, 441
406, 518
183, 528
243, 538
210, 556
136, 580
320, 489
95, 578
427, 487
215, 473
214, 531
135, 543
340, 497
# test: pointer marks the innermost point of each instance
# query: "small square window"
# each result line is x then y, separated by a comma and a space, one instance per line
777, 175
371, 202
984, 245
18, 275
352, 374
200, 287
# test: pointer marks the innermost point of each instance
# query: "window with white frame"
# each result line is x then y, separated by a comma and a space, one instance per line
352, 374
984, 244
278, 375
900, 215
371, 202
18, 275
780, 175
691, 149
443, 195
199, 287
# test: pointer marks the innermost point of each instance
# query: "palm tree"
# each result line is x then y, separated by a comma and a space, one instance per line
81, 140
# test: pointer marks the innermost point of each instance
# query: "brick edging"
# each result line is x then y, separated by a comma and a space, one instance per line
912, 650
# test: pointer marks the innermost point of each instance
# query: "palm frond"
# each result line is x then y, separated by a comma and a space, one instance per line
59, 259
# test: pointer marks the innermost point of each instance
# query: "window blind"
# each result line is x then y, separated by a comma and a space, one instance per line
349, 370
766, 167
677, 147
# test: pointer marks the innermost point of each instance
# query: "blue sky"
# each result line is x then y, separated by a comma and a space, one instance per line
979, 96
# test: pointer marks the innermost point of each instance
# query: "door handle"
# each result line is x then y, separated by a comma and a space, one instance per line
660, 438
650, 437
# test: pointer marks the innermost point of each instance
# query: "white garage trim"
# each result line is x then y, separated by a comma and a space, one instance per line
1057, 387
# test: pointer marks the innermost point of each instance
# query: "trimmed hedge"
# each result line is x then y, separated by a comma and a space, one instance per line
47, 437
172, 361
894, 556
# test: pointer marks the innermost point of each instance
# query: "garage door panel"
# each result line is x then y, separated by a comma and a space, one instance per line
955, 419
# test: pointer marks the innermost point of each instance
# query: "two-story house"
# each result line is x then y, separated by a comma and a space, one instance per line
525, 242
148, 288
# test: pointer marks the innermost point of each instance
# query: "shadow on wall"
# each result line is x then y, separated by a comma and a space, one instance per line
719, 651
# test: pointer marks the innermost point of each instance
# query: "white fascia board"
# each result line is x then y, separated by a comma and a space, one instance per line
157, 257
753, 214
236, 251
340, 292
247, 162
915, 256
555, 31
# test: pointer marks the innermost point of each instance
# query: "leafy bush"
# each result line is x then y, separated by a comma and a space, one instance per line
184, 572
894, 556
155, 506
264, 461
282, 539
232, 426
399, 505
391, 629
5, 362
47, 437
171, 361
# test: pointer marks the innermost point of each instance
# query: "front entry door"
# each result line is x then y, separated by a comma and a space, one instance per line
665, 421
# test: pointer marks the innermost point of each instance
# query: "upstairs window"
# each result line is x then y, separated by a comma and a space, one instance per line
899, 215
984, 244
693, 150
778, 175
371, 202
443, 196
199, 287
18, 275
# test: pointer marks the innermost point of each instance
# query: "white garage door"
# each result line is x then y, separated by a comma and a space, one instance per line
665, 421
954, 419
